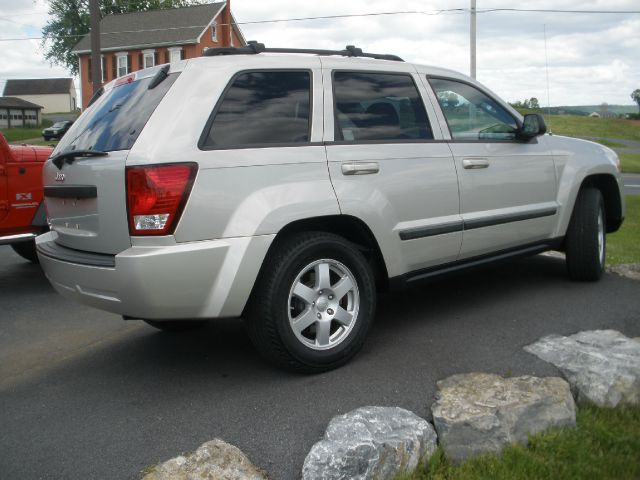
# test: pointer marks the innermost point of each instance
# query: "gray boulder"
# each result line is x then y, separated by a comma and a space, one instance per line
477, 413
602, 366
370, 442
214, 460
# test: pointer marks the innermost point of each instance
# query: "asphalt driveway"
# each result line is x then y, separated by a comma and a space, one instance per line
631, 183
84, 395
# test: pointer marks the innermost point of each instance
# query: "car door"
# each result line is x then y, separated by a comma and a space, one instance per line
508, 187
388, 164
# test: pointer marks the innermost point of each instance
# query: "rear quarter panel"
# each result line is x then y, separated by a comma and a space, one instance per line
244, 191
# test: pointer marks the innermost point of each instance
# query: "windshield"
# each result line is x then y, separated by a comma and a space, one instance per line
58, 125
116, 119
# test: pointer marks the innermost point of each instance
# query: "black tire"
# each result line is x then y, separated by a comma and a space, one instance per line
26, 250
176, 325
585, 258
46, 139
268, 310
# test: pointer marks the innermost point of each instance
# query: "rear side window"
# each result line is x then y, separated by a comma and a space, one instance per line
116, 119
262, 107
378, 106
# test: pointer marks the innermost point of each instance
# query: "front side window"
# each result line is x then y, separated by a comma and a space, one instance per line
378, 106
263, 107
122, 65
471, 114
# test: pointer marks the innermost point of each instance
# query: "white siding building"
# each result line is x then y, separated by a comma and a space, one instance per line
16, 112
54, 94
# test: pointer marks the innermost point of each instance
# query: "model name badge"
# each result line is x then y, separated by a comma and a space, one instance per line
59, 177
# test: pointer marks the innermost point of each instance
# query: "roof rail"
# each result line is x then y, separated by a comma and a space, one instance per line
254, 47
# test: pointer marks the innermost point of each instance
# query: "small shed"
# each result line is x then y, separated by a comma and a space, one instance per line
15, 112
54, 94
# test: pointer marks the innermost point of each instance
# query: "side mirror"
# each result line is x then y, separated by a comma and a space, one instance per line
532, 126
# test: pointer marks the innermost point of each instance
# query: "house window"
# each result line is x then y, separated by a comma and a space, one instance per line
175, 55
149, 59
122, 65
102, 67
214, 31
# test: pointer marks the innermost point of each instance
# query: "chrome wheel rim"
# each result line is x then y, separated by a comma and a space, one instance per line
323, 304
600, 237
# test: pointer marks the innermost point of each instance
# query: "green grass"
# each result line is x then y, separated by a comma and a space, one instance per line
575, 126
630, 162
624, 245
17, 134
604, 446
610, 144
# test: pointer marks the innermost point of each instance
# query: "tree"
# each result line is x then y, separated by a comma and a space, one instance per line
635, 95
534, 103
69, 22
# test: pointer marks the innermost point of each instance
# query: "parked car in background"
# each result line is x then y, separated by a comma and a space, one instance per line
22, 214
288, 186
57, 130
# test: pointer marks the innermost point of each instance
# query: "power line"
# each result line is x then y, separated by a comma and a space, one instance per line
551, 10
354, 15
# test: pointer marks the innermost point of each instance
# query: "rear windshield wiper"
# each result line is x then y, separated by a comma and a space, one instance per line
68, 157
95, 96
159, 77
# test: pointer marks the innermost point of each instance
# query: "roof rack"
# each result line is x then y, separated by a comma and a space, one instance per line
254, 47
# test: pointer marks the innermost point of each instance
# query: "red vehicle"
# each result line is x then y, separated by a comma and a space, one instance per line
22, 215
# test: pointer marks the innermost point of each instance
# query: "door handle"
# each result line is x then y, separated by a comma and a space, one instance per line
473, 163
363, 168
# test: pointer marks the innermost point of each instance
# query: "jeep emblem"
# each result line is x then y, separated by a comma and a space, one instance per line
59, 177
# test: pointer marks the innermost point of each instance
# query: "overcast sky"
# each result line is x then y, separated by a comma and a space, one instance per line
593, 58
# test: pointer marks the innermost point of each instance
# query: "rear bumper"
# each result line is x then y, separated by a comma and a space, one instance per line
20, 237
206, 279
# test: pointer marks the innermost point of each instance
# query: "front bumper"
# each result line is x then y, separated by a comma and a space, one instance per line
206, 279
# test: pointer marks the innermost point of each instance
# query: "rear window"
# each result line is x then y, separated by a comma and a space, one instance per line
117, 118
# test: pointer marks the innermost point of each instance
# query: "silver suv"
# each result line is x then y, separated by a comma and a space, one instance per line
287, 186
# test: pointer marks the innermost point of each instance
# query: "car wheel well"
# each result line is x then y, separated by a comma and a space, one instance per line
348, 227
608, 186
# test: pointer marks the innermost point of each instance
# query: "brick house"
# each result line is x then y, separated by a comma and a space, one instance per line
132, 41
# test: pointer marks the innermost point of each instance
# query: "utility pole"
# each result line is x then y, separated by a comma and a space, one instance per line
96, 58
473, 38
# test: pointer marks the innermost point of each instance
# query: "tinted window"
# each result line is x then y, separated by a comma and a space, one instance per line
471, 114
116, 119
378, 106
263, 108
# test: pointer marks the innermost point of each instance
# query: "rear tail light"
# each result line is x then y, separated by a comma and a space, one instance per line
156, 196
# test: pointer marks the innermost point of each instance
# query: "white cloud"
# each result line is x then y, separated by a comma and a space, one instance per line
592, 58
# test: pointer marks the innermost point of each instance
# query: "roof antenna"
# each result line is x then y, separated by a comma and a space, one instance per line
546, 61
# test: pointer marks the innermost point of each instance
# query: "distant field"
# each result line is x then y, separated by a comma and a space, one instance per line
630, 162
574, 126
